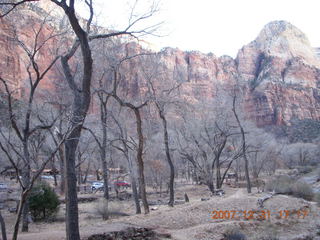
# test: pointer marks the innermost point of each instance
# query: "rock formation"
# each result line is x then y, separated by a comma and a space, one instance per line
280, 69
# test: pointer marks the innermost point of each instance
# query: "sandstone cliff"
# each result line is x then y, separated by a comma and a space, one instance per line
280, 69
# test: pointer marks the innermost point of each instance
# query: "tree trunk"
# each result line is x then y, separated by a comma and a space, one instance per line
26, 182
103, 116
218, 173
142, 185
23, 198
84, 179
72, 219
3, 228
244, 150
105, 174
81, 103
166, 143
61, 164
211, 186
133, 182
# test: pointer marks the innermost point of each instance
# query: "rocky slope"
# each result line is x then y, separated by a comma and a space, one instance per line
280, 69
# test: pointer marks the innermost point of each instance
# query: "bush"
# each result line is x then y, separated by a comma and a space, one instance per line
305, 169
105, 209
102, 208
280, 184
303, 190
317, 198
269, 232
233, 234
43, 201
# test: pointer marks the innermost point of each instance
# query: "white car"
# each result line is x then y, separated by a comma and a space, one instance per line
47, 177
97, 186
3, 186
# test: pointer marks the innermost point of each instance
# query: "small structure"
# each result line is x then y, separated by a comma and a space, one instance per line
231, 178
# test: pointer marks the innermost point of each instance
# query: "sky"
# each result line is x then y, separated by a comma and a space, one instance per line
221, 27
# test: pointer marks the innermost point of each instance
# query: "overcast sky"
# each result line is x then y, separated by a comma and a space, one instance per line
218, 26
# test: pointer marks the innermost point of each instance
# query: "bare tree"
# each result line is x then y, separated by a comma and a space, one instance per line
3, 228
26, 128
125, 147
82, 96
243, 137
161, 105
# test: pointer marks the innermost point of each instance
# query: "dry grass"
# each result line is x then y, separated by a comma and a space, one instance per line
191, 220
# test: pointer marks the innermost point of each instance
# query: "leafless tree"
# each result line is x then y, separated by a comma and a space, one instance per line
26, 129
125, 145
243, 137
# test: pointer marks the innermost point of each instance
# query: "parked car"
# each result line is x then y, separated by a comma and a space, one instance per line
97, 186
122, 184
47, 177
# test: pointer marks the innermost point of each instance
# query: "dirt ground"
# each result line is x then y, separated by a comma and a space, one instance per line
192, 220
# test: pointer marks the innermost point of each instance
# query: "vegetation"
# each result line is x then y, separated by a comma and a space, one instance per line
44, 202
106, 208
269, 232
234, 233
303, 190
287, 185
317, 198
280, 184
140, 118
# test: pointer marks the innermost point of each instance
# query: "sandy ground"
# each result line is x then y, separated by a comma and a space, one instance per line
192, 220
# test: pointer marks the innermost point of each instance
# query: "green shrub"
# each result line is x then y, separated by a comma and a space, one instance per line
280, 184
43, 201
303, 190
234, 233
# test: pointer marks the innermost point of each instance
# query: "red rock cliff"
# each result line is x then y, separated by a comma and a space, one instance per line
280, 68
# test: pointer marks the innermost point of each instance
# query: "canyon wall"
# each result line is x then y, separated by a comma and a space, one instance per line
280, 70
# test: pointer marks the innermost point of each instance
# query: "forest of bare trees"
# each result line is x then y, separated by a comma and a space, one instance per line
116, 104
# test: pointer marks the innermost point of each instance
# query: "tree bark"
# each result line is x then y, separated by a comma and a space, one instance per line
168, 156
26, 182
19, 215
72, 219
103, 117
133, 182
218, 173
105, 174
142, 185
81, 103
3, 228
244, 150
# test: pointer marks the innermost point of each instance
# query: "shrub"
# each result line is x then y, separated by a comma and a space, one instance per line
280, 184
43, 201
305, 169
101, 208
317, 198
269, 232
303, 190
105, 208
233, 233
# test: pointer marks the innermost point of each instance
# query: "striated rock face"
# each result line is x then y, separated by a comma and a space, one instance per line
280, 69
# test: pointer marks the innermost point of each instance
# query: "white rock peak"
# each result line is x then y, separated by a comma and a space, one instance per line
284, 40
